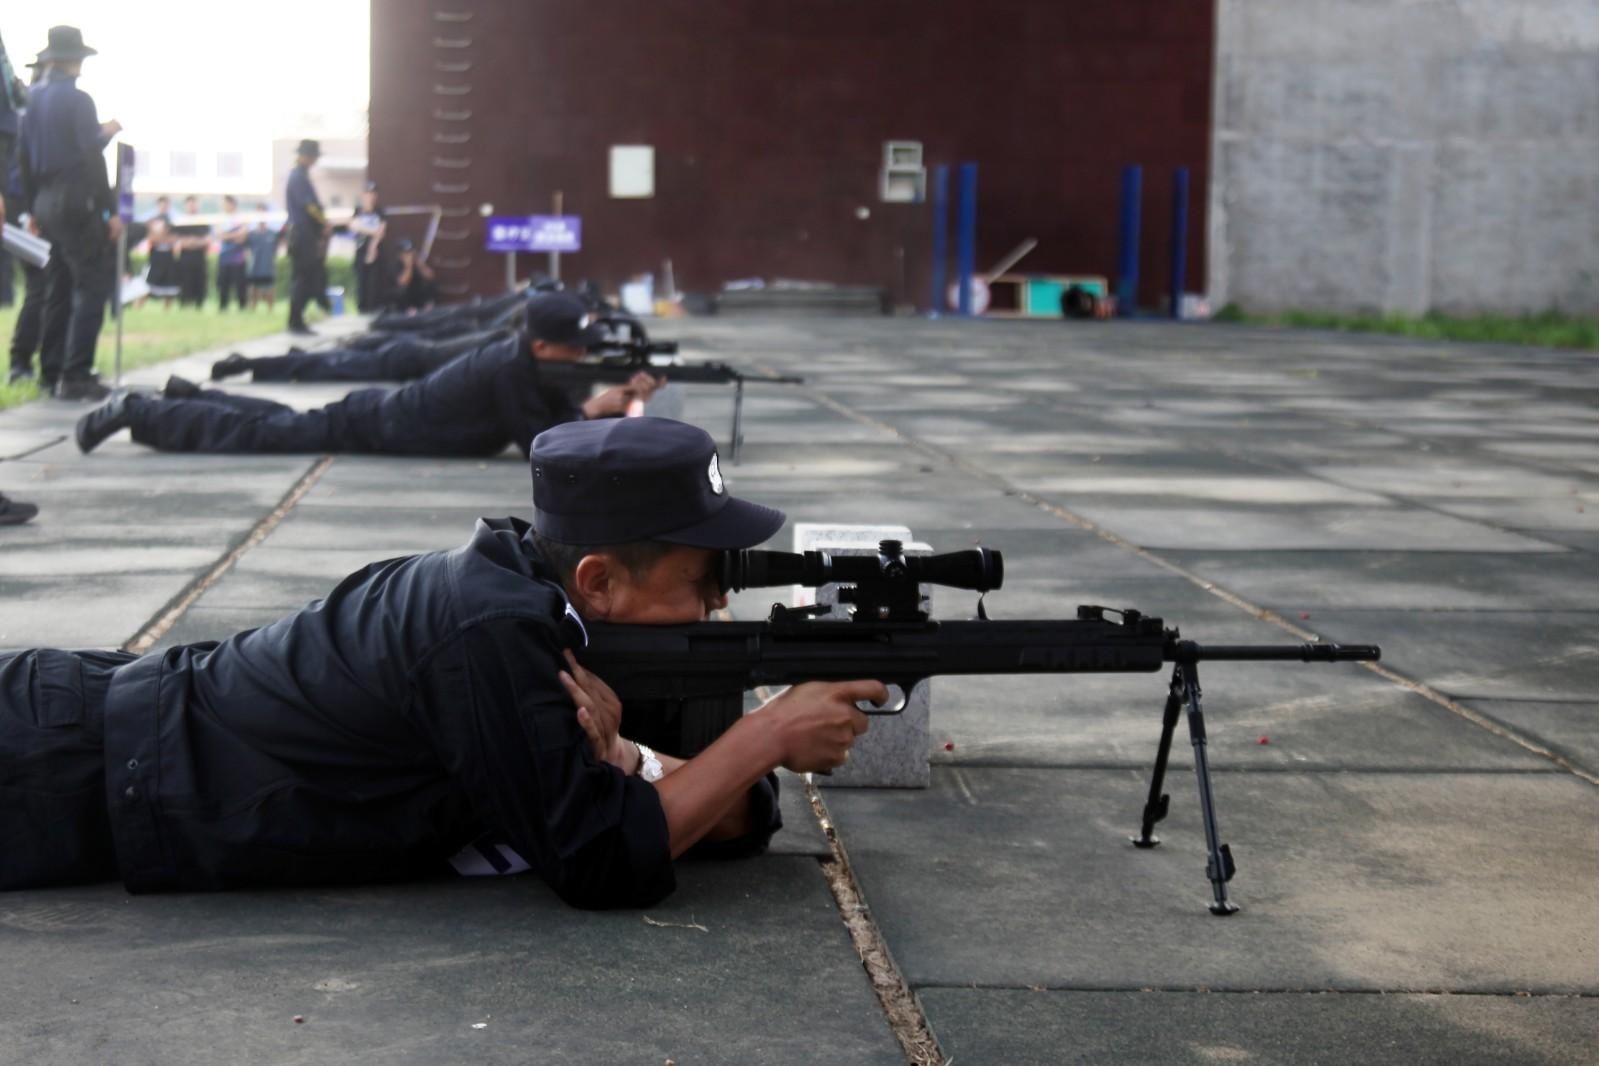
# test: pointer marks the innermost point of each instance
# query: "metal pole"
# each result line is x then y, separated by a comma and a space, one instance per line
1179, 239
510, 271
555, 257
940, 239
966, 235
1127, 258
122, 257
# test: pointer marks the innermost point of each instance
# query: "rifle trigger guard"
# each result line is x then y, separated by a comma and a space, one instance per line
899, 697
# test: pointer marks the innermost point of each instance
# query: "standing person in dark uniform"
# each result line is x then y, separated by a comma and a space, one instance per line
308, 233
161, 272
232, 255
262, 245
13, 98
28, 334
65, 189
194, 244
473, 406
427, 711
368, 227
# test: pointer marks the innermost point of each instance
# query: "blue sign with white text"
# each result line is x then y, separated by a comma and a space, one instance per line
535, 233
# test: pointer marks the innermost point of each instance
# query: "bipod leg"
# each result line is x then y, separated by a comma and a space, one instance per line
1158, 803
738, 417
1219, 867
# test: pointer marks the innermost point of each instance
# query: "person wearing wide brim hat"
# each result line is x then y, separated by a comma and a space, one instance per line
308, 233
66, 191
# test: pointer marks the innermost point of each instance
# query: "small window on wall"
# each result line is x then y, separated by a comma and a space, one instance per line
230, 164
632, 171
183, 164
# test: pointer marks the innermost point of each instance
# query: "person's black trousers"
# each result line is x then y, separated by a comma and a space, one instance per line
8, 271
217, 421
231, 283
28, 331
191, 277
402, 359
80, 277
54, 826
308, 277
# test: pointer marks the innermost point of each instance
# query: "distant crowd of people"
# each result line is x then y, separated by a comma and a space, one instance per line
54, 184
388, 273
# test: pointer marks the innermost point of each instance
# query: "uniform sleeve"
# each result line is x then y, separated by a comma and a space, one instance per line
89, 142
597, 837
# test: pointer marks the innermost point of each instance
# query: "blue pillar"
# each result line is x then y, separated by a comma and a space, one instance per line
1127, 257
939, 304
1179, 239
966, 235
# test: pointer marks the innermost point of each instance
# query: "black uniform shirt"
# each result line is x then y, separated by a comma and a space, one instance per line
61, 140
305, 206
373, 733
473, 405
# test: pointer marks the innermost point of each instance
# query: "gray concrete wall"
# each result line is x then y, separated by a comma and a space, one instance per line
1406, 155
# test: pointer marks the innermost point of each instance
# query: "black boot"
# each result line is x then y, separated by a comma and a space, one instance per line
235, 363
15, 512
180, 389
111, 416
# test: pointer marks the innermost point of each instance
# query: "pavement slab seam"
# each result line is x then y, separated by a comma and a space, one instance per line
901, 1009
36, 449
1264, 990
169, 616
1264, 614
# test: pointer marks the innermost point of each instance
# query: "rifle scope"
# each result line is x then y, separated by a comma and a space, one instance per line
980, 569
635, 347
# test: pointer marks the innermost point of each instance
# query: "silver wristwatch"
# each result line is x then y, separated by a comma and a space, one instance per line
649, 767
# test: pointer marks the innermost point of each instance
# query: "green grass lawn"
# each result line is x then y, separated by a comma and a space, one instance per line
153, 333
1550, 329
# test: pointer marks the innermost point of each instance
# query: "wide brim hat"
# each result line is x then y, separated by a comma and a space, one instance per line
65, 42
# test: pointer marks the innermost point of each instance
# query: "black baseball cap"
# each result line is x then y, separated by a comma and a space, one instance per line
310, 148
561, 318
620, 480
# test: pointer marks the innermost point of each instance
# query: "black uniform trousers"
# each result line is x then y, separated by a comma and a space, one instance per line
80, 277
230, 282
308, 274
217, 421
54, 826
8, 274
400, 358
192, 272
28, 331
401, 361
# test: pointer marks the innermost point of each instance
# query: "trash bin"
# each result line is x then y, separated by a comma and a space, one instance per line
336, 298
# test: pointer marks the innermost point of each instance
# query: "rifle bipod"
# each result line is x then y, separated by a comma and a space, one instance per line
1184, 692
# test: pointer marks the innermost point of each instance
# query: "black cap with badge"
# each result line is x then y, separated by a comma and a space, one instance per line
562, 318
620, 480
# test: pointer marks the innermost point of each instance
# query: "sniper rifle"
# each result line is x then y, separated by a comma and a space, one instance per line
889, 637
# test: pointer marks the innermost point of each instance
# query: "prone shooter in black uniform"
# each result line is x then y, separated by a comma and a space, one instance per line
427, 711
473, 406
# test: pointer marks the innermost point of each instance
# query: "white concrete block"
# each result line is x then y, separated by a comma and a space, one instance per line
894, 751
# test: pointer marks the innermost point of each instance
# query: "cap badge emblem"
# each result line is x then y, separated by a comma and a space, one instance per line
715, 474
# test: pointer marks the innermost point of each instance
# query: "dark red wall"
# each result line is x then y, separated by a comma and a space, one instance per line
768, 120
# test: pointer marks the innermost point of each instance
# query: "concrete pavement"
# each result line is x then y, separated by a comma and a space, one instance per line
1415, 847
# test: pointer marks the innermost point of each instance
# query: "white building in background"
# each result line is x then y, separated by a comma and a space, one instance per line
242, 169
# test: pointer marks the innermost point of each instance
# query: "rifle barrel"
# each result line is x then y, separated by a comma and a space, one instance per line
1188, 651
